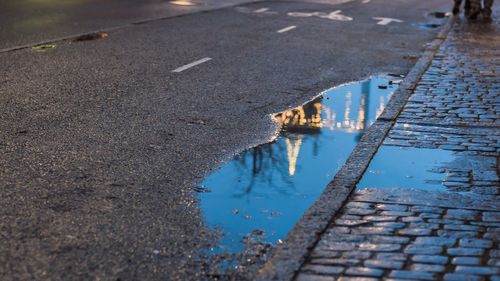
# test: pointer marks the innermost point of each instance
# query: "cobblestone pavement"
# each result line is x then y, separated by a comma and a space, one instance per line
413, 234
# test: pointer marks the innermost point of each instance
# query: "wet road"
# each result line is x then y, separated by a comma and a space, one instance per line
29, 21
102, 141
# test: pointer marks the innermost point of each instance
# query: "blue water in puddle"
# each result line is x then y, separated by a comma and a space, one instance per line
403, 167
269, 187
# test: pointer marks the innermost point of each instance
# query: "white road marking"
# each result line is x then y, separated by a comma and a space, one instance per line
366, 1
187, 66
386, 21
286, 29
261, 10
335, 15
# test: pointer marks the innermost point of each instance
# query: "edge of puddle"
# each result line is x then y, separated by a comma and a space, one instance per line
289, 256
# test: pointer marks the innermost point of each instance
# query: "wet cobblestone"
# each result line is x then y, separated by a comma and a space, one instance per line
425, 257
401, 234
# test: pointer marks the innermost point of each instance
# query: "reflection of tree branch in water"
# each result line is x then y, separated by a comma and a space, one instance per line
264, 162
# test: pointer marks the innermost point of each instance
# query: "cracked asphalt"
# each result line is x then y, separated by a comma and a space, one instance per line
101, 143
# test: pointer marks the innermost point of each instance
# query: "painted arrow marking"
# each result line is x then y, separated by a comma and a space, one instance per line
386, 21
335, 15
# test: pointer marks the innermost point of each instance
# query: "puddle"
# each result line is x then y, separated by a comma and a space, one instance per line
269, 187
427, 25
397, 167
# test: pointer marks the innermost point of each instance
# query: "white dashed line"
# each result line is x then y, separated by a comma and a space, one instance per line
366, 1
286, 29
187, 66
261, 10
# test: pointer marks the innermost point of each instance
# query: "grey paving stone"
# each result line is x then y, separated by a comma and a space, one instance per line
384, 264
373, 230
347, 238
494, 262
379, 247
349, 217
476, 243
415, 231
436, 241
364, 271
388, 239
344, 278
495, 253
406, 274
428, 267
491, 216
380, 218
423, 249
356, 255
477, 270
434, 259
392, 207
424, 225
466, 261
359, 211
345, 222
429, 216
392, 256
327, 261
394, 225
325, 254
397, 213
412, 219
427, 209
323, 269
457, 234
463, 227
359, 205
313, 277
446, 221
465, 251
336, 230
462, 277
337, 246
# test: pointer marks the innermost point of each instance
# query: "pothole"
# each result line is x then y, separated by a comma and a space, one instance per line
91, 36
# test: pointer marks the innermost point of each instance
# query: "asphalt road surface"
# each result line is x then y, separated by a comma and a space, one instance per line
102, 141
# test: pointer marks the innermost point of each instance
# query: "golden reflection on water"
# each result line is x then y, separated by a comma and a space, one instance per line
314, 116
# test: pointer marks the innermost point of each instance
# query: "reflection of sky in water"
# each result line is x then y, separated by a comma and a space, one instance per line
394, 167
269, 187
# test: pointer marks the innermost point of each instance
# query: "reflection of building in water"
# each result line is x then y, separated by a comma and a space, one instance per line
322, 114
304, 119
292, 149
314, 116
